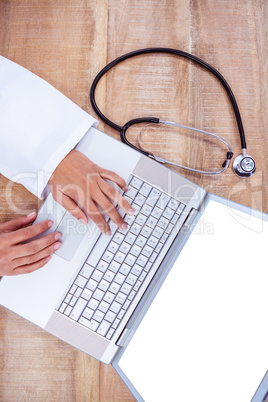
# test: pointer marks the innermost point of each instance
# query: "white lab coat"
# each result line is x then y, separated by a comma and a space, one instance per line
38, 127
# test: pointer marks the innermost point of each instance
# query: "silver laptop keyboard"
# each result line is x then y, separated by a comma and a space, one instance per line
101, 295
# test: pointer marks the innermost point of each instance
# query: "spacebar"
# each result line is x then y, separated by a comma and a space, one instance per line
78, 308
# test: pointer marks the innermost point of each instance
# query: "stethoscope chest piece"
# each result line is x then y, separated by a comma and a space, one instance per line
244, 165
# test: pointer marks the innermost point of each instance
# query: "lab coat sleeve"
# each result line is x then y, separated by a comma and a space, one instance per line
38, 127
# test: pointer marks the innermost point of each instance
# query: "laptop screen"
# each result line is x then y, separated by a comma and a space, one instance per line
205, 335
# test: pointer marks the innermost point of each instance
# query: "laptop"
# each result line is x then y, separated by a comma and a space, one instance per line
95, 291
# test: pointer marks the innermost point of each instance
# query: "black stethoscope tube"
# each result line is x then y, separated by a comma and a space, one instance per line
169, 51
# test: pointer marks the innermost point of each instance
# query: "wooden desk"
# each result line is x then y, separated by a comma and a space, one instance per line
67, 43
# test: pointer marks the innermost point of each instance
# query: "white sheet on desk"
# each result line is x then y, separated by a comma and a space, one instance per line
211, 343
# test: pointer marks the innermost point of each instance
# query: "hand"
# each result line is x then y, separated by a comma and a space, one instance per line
79, 186
17, 258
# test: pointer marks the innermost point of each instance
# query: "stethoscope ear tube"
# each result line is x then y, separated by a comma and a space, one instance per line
136, 121
151, 121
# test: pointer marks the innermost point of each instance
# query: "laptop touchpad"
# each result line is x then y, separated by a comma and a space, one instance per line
73, 233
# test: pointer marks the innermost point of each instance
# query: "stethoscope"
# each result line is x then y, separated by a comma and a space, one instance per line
243, 165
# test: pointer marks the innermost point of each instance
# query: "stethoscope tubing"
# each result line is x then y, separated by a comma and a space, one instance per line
168, 51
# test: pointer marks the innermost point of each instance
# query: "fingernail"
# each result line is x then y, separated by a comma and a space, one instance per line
83, 221
108, 233
131, 211
48, 258
50, 223
31, 215
57, 236
124, 226
125, 189
57, 246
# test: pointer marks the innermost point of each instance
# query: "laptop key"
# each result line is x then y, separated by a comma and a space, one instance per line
108, 256
110, 333
80, 281
115, 324
104, 285
115, 307
88, 313
130, 238
118, 237
119, 278
145, 189
109, 276
120, 298
97, 275
173, 203
114, 287
119, 257
84, 322
132, 192
125, 269
73, 301
62, 307
92, 285
86, 294
126, 288
98, 316
163, 201
67, 310
98, 295
114, 266
113, 246
109, 297
78, 308
110, 316
102, 265
135, 182
86, 271
142, 260
103, 327
104, 306
78, 292
93, 325
131, 279
180, 208
140, 199
130, 259
124, 248
93, 304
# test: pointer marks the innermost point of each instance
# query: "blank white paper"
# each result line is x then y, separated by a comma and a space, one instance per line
205, 336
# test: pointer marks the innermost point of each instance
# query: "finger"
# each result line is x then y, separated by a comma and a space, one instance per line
27, 269
107, 174
29, 232
97, 217
17, 223
110, 210
35, 246
71, 206
114, 195
33, 258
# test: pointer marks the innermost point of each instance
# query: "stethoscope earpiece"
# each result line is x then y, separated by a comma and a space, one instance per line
244, 165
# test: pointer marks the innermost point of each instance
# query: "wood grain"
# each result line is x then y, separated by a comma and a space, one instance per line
67, 43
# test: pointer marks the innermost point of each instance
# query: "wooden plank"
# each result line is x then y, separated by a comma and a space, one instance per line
230, 36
